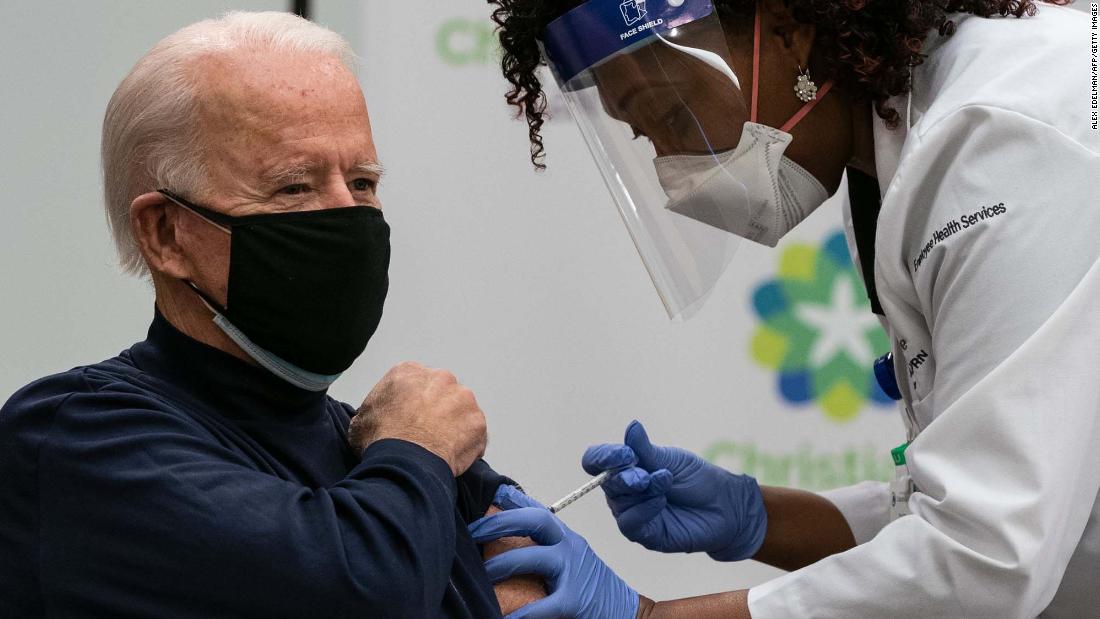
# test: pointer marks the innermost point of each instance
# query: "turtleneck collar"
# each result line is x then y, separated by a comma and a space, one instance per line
231, 386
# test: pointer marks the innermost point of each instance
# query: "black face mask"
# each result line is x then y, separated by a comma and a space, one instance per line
307, 287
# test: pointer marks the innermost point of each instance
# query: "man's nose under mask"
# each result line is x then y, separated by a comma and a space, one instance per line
306, 289
752, 191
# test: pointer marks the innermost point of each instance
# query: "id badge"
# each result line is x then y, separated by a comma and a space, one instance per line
902, 487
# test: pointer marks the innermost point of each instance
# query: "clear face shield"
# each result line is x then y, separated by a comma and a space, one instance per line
670, 119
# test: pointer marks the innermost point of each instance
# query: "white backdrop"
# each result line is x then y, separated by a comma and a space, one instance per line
527, 286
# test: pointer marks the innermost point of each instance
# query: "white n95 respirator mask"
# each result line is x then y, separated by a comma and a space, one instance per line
752, 191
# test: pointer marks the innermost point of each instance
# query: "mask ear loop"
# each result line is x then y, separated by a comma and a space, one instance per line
196, 210
210, 304
202, 213
755, 108
806, 109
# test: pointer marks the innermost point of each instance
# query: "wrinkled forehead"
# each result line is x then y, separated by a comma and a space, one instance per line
257, 89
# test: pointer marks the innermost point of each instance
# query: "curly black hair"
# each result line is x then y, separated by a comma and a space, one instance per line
868, 46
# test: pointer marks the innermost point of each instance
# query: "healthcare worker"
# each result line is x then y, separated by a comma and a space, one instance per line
971, 149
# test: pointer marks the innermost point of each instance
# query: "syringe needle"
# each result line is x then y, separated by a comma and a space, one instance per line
589, 486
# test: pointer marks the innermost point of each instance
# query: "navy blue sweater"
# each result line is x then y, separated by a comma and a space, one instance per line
178, 481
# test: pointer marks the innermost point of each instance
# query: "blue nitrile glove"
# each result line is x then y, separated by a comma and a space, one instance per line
674, 501
581, 585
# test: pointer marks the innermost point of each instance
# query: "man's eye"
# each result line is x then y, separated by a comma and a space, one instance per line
362, 184
294, 190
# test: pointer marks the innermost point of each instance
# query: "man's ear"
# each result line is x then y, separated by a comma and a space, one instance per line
153, 220
797, 37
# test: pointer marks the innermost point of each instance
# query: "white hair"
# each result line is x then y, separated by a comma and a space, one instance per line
151, 137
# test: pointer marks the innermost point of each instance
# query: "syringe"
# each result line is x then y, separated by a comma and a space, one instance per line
572, 497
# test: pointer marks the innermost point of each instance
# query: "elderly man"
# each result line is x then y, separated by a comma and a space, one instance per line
204, 472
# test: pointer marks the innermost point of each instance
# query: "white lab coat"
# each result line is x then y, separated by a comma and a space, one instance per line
995, 322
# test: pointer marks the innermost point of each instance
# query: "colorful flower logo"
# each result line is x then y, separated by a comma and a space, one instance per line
817, 331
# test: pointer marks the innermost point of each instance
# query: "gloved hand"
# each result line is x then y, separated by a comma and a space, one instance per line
674, 501
581, 585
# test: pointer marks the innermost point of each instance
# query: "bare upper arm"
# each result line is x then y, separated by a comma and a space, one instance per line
519, 591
